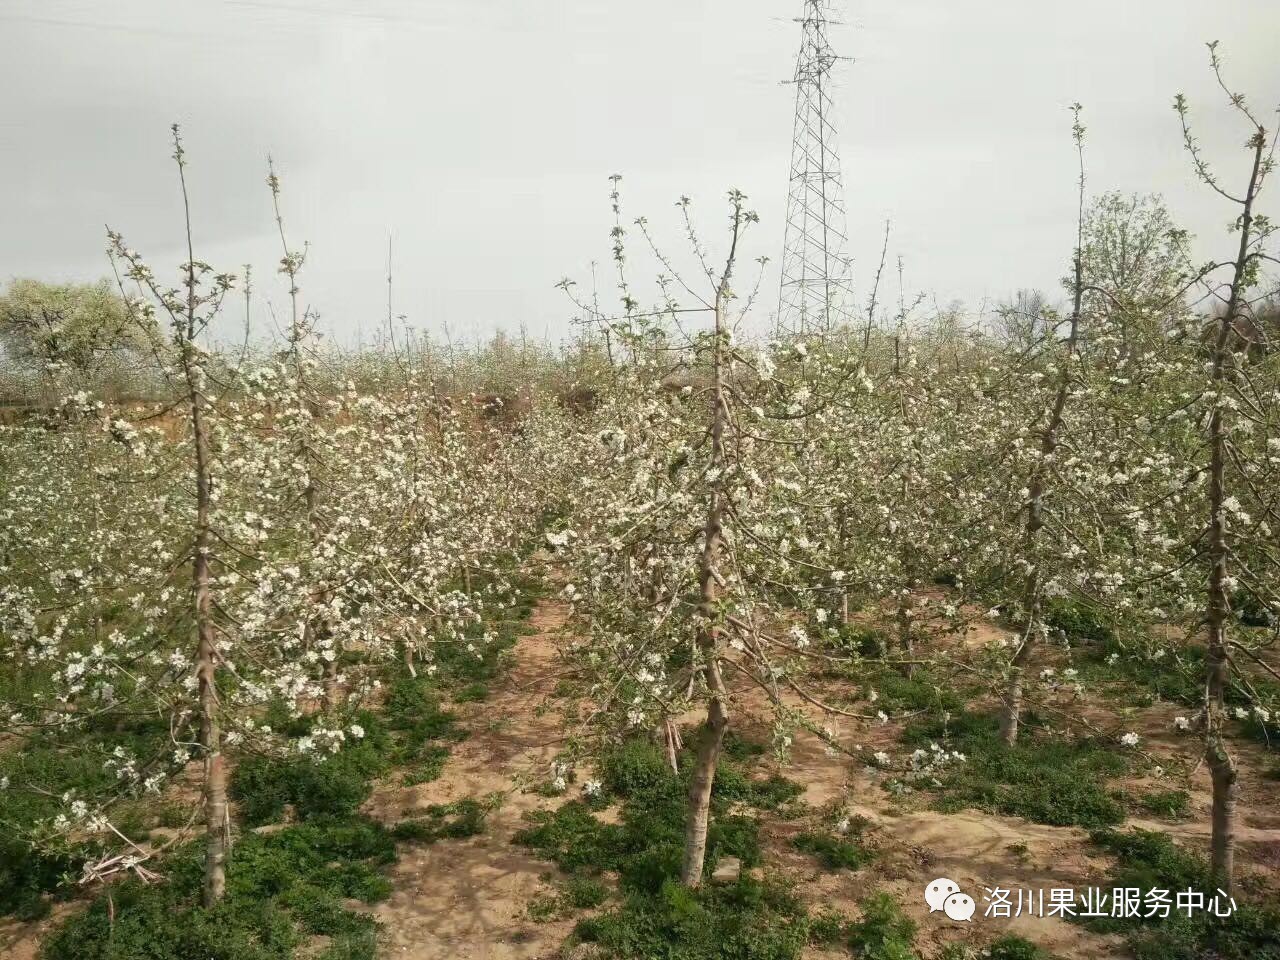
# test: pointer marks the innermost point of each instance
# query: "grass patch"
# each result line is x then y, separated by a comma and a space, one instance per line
658, 917
333, 786
477, 660
1008, 947
412, 712
1045, 777
39, 772
1176, 672
1149, 860
430, 765
834, 853
472, 692
1079, 623
747, 920
828, 928
920, 691
884, 932
891, 691
412, 731
867, 642
1171, 804
447, 821
27, 875
740, 749
583, 892
544, 908
580, 892
281, 888
647, 846
772, 793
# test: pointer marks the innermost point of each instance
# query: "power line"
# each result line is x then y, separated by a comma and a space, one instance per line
329, 12
92, 25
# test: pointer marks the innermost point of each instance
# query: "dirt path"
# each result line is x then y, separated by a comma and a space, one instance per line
467, 899
21, 941
458, 899
915, 846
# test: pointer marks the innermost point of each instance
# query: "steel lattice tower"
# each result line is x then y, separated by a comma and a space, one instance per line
816, 292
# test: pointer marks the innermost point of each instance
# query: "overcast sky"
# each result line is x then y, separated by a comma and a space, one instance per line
481, 134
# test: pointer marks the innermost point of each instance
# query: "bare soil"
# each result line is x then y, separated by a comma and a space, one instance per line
469, 899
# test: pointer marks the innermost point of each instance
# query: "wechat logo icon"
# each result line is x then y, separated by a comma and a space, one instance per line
943, 894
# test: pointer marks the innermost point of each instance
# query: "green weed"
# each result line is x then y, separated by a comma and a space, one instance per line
884, 932
281, 887
1079, 622
834, 853
430, 765
1045, 777
747, 920
1171, 804
646, 848
1148, 860
1007, 947
449, 821
472, 693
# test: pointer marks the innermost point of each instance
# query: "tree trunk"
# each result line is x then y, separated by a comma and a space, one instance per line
708, 637
1036, 487
1222, 839
332, 690
842, 537
1012, 715
217, 840
1217, 757
700, 784
186, 327
1218, 607
1035, 521
905, 643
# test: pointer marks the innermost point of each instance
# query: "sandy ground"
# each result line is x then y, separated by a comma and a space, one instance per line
468, 899
21, 941
915, 847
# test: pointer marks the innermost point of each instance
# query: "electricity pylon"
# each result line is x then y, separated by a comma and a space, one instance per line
816, 291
